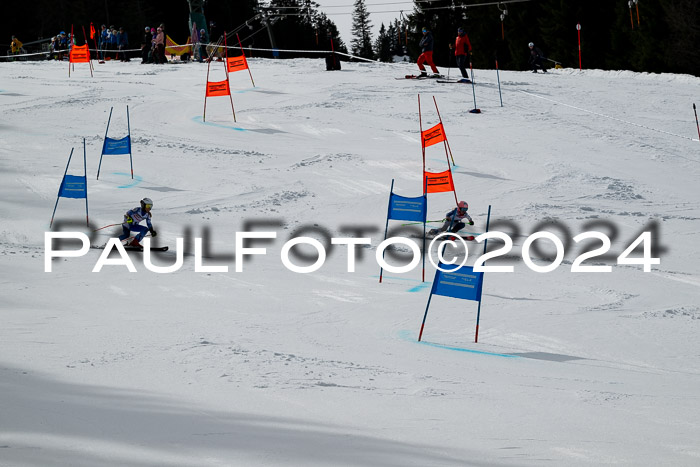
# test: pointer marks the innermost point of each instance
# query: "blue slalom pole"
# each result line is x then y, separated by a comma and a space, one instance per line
474, 110
61, 187
386, 228
420, 334
128, 126
104, 145
478, 311
87, 213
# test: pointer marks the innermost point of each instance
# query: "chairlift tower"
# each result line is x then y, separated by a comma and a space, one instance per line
197, 16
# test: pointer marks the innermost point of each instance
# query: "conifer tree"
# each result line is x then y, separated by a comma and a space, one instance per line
361, 42
382, 47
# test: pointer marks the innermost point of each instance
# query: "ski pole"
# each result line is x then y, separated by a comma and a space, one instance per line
110, 225
414, 223
696, 120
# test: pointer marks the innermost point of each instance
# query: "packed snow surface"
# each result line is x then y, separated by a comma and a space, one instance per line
272, 367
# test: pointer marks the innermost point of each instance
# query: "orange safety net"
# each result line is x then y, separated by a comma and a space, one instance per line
439, 182
433, 135
79, 54
237, 63
218, 88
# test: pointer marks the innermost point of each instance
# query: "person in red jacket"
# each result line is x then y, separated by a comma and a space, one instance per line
463, 50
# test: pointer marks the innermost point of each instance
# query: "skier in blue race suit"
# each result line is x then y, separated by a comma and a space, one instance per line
454, 220
133, 218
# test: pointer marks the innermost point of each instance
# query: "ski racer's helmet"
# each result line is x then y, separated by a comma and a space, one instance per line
531, 44
146, 203
463, 205
147, 29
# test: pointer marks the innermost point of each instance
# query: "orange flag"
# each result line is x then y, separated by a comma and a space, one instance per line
79, 54
433, 135
218, 88
237, 63
92, 31
439, 182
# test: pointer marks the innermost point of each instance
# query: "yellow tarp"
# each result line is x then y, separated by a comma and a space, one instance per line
171, 48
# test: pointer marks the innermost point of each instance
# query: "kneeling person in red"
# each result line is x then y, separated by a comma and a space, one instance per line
133, 218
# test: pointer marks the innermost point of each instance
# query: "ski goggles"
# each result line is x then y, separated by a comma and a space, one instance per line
147, 206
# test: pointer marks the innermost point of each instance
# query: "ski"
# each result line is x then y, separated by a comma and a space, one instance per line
134, 248
452, 236
460, 81
469, 238
422, 77
153, 248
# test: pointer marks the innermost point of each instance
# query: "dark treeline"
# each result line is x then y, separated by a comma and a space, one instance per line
665, 39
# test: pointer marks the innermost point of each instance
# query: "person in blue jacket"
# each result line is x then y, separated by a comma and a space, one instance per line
454, 220
104, 41
426, 44
114, 41
133, 218
123, 44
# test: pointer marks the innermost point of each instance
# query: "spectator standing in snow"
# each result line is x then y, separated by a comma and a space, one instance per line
159, 47
62, 44
463, 51
536, 58
426, 56
202, 50
146, 44
114, 41
212, 31
54, 47
123, 41
104, 41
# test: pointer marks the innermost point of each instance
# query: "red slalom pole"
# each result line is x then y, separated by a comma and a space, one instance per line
69, 49
94, 41
578, 28
89, 56
204, 115
631, 20
498, 77
422, 143
244, 58
335, 65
